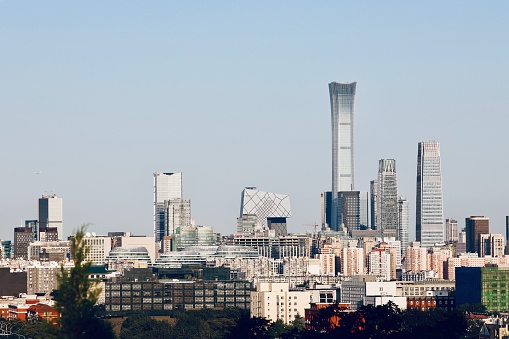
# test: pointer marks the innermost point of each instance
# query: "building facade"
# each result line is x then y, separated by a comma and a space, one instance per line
51, 213
23, 237
451, 230
275, 301
352, 210
176, 295
485, 285
264, 205
342, 97
167, 186
474, 227
177, 213
387, 198
403, 223
429, 197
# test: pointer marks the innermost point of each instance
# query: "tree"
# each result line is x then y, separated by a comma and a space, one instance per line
247, 327
77, 295
141, 325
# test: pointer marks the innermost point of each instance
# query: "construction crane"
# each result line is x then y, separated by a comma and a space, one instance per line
315, 225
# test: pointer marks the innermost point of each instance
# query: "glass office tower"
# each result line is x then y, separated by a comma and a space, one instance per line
342, 97
429, 217
387, 199
50, 214
167, 186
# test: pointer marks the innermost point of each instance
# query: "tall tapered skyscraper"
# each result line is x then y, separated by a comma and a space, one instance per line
167, 187
429, 216
342, 97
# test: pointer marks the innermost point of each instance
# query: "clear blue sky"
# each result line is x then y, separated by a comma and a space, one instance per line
99, 95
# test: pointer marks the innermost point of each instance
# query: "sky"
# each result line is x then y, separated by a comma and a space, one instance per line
97, 96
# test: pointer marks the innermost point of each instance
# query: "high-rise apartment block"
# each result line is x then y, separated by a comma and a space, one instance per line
167, 186
416, 257
379, 263
50, 213
386, 200
451, 230
342, 97
429, 199
352, 261
491, 245
475, 226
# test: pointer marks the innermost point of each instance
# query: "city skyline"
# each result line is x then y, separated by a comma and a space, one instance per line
98, 97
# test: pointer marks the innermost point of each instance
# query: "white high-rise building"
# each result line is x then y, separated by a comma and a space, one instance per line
491, 245
342, 97
167, 186
380, 263
50, 213
429, 199
352, 261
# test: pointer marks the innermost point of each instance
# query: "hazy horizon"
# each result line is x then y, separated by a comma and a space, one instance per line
96, 97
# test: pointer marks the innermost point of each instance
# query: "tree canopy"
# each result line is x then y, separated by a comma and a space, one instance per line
77, 295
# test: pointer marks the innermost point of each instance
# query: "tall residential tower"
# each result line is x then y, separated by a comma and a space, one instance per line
429, 216
342, 97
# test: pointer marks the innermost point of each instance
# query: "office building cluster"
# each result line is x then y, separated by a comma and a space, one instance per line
359, 255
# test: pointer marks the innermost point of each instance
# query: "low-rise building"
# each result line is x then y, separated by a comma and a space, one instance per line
175, 294
275, 301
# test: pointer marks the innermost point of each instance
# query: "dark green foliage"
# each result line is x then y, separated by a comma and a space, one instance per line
473, 308
369, 323
141, 325
34, 330
76, 296
446, 324
248, 327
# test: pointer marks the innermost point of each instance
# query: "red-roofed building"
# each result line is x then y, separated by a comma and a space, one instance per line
45, 312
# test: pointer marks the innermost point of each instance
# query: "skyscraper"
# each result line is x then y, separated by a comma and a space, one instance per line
374, 215
271, 209
451, 230
342, 97
387, 198
177, 214
429, 201
475, 226
167, 186
352, 210
403, 222
50, 213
